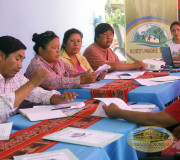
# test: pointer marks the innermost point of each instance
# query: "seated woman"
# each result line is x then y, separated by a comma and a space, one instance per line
70, 50
174, 43
61, 75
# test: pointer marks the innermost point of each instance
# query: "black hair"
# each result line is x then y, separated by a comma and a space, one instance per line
10, 44
174, 23
101, 28
68, 33
41, 40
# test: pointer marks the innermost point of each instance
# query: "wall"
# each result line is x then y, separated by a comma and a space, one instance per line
22, 18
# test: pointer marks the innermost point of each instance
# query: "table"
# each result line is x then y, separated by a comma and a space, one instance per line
116, 150
158, 94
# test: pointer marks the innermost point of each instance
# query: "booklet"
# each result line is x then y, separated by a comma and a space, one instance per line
43, 112
84, 137
93, 85
64, 154
5, 130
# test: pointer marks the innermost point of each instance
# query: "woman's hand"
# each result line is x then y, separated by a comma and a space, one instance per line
88, 77
102, 75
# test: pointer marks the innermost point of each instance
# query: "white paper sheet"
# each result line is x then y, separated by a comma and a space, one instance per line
51, 111
71, 105
64, 154
123, 75
107, 101
141, 106
156, 81
103, 68
92, 85
5, 130
84, 137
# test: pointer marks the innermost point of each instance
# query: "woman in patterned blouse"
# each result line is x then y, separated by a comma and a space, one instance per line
61, 75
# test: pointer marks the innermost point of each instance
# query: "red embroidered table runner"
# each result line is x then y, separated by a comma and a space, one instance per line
30, 139
120, 88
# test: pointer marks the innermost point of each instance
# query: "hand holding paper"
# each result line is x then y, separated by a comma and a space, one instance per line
88, 77
111, 107
107, 101
102, 68
100, 71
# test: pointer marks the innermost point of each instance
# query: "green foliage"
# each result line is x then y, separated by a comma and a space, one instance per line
117, 18
117, 1
157, 32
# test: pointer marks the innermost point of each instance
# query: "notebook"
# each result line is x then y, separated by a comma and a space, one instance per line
167, 57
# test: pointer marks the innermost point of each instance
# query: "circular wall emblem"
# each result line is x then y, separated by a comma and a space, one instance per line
150, 139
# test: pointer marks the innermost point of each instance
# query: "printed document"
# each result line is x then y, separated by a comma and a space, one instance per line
52, 111
84, 137
92, 85
64, 154
124, 75
5, 130
156, 81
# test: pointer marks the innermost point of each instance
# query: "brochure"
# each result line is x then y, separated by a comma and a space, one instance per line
84, 137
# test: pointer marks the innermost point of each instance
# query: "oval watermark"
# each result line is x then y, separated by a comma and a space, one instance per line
150, 139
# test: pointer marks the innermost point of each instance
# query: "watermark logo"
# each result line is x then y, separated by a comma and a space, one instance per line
150, 139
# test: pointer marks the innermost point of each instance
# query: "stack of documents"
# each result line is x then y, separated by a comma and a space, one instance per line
156, 81
51, 111
124, 75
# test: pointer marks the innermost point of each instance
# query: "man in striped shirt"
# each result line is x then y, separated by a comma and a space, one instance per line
14, 87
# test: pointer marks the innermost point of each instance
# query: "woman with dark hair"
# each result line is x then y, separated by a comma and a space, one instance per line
99, 53
174, 43
70, 51
61, 75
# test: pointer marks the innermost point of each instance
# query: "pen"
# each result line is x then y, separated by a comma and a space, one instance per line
131, 103
61, 108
